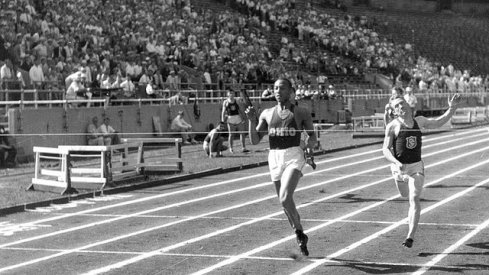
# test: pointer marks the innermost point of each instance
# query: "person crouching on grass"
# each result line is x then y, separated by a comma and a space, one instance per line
402, 147
284, 125
213, 142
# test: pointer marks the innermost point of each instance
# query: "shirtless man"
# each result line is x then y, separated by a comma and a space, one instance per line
284, 124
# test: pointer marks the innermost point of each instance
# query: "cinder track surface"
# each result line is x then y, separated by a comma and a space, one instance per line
233, 224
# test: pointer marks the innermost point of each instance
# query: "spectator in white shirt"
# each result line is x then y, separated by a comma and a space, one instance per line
179, 124
36, 74
128, 88
110, 135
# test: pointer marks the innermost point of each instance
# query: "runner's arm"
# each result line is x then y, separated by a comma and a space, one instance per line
431, 123
309, 128
389, 143
256, 132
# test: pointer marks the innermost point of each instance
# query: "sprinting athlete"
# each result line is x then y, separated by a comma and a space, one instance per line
284, 124
402, 147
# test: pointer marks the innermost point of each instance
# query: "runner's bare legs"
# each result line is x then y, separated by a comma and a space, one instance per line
285, 190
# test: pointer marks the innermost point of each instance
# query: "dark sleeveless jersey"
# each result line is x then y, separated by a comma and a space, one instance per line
232, 109
283, 133
407, 144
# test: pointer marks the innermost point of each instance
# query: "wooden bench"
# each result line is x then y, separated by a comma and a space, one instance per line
156, 161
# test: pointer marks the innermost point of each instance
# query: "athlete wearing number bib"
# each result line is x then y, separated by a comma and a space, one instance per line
284, 125
402, 147
407, 150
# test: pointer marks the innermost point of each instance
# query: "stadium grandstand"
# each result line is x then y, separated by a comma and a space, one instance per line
122, 54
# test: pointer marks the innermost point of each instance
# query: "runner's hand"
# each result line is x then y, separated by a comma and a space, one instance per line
250, 113
454, 101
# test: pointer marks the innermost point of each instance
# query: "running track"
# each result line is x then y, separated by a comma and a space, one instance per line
233, 224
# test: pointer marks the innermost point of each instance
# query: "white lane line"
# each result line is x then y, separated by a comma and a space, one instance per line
277, 259
278, 219
390, 228
351, 214
51, 234
236, 258
218, 211
450, 249
33, 223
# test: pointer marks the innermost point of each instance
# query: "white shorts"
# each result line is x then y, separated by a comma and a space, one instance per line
236, 119
410, 169
281, 159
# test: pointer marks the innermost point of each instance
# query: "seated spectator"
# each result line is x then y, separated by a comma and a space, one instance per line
6, 147
94, 137
213, 142
76, 90
110, 135
179, 124
267, 95
128, 88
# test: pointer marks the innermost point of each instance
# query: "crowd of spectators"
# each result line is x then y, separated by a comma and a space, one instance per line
140, 46
432, 77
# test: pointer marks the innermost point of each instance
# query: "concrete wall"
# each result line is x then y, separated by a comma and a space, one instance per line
57, 126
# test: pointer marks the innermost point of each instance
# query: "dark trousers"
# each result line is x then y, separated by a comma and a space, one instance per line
7, 157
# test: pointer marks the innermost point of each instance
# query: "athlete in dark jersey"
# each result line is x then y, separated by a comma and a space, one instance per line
402, 147
285, 124
232, 116
407, 144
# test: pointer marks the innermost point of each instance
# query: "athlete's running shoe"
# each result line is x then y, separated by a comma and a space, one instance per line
302, 242
408, 243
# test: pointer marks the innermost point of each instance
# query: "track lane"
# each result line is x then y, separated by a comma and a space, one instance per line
275, 206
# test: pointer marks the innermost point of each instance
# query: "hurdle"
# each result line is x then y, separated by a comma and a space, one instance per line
51, 172
64, 168
156, 162
96, 166
318, 128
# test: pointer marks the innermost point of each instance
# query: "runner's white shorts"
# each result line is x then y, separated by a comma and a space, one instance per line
234, 120
410, 169
281, 159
